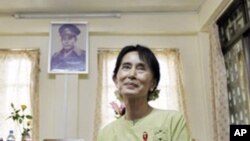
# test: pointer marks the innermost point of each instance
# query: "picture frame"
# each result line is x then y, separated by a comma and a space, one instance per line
68, 48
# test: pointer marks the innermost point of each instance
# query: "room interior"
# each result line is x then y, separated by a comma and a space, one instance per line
182, 24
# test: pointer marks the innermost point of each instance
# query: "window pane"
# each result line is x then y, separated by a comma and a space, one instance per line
14, 88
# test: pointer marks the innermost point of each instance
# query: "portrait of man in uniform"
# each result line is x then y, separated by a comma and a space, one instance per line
69, 53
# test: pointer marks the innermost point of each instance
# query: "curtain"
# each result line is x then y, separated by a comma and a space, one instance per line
19, 85
172, 75
105, 59
171, 85
220, 109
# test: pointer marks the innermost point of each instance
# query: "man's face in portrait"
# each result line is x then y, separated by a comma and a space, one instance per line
68, 33
68, 41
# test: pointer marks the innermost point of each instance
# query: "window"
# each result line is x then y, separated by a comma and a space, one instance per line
17, 72
234, 35
170, 85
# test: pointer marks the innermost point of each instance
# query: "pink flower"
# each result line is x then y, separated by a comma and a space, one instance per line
115, 106
119, 109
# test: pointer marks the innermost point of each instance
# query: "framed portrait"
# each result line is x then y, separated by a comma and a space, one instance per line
68, 48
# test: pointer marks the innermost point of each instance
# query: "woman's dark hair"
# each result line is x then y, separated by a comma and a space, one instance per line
146, 55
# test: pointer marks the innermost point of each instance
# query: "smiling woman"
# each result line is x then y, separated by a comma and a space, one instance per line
136, 76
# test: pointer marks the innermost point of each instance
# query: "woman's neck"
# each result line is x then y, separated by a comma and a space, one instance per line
136, 109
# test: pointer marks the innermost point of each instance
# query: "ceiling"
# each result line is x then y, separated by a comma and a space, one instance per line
94, 6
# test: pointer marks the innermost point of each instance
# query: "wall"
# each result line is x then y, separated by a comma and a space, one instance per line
210, 11
79, 92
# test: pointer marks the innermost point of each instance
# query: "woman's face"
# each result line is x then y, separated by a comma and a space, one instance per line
134, 77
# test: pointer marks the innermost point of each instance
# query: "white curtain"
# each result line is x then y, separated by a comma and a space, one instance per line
18, 85
171, 85
219, 88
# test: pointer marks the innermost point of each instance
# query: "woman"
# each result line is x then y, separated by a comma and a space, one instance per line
136, 76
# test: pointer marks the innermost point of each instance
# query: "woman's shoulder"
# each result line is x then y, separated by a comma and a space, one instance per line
107, 131
170, 117
169, 113
111, 126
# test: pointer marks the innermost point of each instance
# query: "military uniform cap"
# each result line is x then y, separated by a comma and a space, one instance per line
69, 29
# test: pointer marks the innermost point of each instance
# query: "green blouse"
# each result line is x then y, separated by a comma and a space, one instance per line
159, 125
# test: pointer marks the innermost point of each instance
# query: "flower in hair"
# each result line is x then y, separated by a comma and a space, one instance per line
153, 95
118, 108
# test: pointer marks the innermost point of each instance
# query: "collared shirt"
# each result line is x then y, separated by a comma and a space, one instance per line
73, 60
159, 125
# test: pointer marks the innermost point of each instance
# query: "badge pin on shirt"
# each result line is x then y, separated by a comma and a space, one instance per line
145, 136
